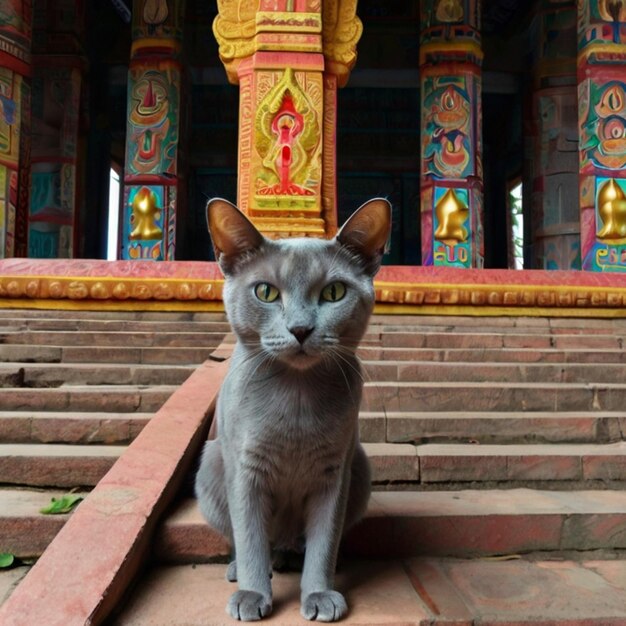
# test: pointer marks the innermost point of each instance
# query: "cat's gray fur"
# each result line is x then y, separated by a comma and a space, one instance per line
286, 471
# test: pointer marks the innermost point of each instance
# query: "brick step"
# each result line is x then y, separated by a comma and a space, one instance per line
466, 523
497, 427
415, 371
499, 324
498, 340
113, 325
55, 465
159, 316
412, 592
68, 427
560, 464
113, 338
91, 354
468, 396
24, 531
90, 398
495, 355
55, 375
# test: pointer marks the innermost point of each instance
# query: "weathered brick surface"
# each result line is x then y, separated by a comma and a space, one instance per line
519, 592
502, 427
28, 354
55, 465
393, 462
378, 593
24, 531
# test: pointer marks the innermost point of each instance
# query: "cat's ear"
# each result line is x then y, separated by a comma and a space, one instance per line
367, 232
232, 233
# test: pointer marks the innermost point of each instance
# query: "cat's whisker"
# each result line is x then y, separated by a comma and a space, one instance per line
337, 352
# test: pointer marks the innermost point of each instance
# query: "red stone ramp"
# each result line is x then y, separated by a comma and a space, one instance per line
86, 569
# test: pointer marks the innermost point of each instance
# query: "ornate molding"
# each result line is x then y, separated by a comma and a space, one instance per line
235, 30
341, 31
196, 286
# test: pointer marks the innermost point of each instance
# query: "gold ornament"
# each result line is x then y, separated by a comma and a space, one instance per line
451, 215
145, 213
612, 210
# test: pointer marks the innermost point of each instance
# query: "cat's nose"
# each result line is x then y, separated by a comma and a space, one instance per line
301, 332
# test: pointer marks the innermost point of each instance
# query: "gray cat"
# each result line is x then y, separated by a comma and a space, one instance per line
286, 471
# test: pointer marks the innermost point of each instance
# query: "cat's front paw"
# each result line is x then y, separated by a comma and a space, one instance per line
324, 606
248, 606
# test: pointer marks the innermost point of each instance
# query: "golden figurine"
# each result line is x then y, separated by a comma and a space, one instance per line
612, 210
145, 214
451, 215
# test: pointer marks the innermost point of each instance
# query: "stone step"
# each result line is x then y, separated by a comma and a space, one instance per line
56, 465
429, 464
52, 374
24, 531
112, 338
69, 427
89, 398
158, 316
411, 592
100, 354
55, 375
495, 355
500, 324
466, 523
499, 340
113, 325
487, 396
429, 371
493, 427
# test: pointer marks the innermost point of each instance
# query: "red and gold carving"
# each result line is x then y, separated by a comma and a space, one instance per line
287, 137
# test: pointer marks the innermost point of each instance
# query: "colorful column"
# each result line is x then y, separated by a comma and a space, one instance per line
451, 158
59, 68
602, 119
288, 58
152, 175
15, 72
552, 163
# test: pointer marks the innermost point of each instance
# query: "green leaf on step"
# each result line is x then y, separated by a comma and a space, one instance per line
64, 504
6, 560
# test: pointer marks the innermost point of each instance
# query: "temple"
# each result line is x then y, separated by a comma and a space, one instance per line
497, 129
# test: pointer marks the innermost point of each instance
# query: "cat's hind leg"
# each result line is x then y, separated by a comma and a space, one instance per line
360, 488
211, 489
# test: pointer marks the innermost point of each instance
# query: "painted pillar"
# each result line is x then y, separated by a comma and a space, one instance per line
152, 174
553, 162
59, 69
15, 73
451, 118
602, 119
288, 58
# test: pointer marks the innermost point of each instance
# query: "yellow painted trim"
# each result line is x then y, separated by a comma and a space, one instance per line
468, 47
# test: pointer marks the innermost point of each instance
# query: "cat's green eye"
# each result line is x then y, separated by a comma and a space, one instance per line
266, 292
334, 292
